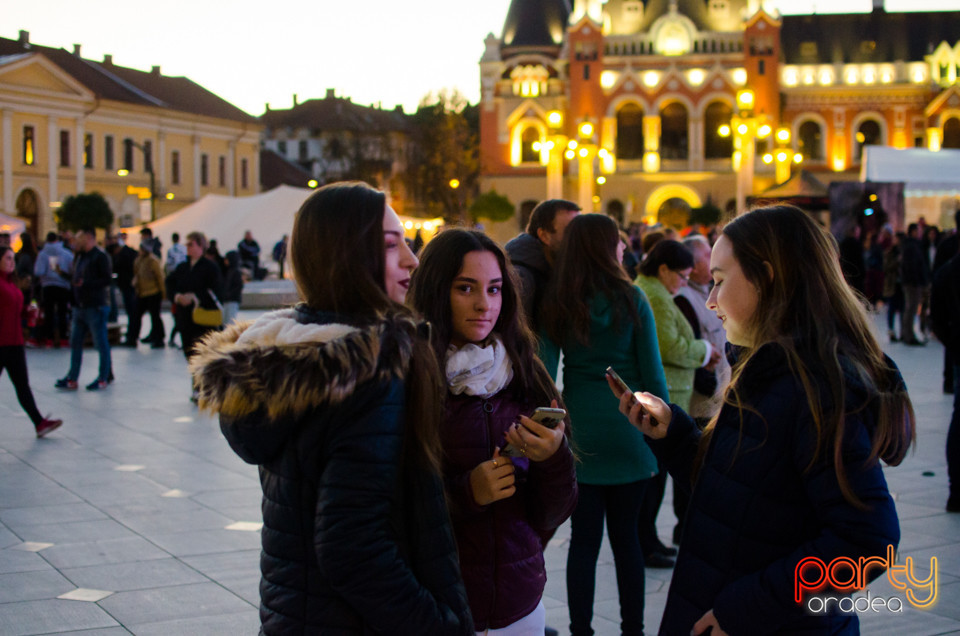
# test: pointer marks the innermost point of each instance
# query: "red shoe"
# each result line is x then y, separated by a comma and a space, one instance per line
64, 342
47, 426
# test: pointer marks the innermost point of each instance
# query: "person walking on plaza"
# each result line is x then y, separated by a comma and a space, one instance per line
337, 400
504, 506
194, 283
532, 252
52, 269
232, 287
176, 254
13, 356
149, 287
945, 319
790, 468
249, 251
90, 279
122, 256
280, 255
597, 318
915, 276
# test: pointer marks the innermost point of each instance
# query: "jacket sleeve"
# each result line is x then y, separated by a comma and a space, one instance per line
678, 449
675, 347
356, 548
549, 354
645, 339
528, 292
762, 602
553, 489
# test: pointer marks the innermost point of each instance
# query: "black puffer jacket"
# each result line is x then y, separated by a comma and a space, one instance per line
354, 542
759, 507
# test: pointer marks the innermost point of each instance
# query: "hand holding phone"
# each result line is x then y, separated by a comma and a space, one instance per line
617, 385
637, 412
534, 443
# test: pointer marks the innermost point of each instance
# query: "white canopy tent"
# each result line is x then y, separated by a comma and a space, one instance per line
268, 216
931, 179
14, 227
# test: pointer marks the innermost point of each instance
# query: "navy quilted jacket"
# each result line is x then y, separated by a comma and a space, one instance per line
755, 511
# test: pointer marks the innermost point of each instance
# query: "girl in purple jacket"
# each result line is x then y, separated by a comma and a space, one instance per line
504, 509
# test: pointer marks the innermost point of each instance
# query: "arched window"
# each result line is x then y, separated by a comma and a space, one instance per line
673, 131
951, 133
810, 141
868, 134
714, 146
528, 154
630, 132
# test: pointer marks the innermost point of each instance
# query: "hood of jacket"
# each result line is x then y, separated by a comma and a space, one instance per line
262, 376
527, 250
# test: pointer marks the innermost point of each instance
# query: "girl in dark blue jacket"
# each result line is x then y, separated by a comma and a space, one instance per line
790, 466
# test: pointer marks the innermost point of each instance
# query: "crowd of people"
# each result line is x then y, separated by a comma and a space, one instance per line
410, 484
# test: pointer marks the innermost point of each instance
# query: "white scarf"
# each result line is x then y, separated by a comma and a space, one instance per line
479, 371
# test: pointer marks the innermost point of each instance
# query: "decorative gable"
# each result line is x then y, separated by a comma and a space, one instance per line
32, 75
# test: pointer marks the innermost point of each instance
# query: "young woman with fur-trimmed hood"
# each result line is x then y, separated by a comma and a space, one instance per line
337, 401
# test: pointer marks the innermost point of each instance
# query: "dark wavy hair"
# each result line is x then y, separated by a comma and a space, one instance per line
337, 251
673, 254
587, 266
440, 262
808, 310
12, 276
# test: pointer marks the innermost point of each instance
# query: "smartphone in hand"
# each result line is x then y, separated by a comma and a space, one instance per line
544, 415
617, 380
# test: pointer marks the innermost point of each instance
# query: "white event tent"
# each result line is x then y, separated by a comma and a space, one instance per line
931, 179
268, 216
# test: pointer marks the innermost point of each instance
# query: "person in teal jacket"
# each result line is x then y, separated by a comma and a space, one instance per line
598, 319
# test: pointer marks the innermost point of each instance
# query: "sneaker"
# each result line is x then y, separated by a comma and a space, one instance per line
97, 385
64, 383
47, 426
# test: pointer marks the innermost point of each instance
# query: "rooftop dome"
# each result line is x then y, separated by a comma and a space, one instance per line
535, 25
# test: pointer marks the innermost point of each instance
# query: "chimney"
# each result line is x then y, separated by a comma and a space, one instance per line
295, 102
76, 50
266, 107
108, 60
331, 94
155, 70
24, 37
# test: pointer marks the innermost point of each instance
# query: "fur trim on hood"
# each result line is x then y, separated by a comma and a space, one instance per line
287, 367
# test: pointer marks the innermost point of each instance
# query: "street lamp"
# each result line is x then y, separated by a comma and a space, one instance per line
746, 128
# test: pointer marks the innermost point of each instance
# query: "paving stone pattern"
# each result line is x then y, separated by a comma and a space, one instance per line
131, 500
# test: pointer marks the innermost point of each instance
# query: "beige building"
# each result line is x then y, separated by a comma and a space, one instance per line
149, 143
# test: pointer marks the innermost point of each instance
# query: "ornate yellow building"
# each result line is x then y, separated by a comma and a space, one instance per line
625, 105
148, 142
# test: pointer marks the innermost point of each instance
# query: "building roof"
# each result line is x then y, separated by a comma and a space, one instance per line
866, 37
535, 24
337, 113
275, 170
117, 83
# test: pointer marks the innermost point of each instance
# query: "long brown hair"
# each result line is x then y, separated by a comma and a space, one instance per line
337, 251
587, 266
12, 277
807, 309
430, 285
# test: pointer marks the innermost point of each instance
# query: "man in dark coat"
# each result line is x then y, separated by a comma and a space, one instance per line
945, 319
532, 252
915, 273
90, 280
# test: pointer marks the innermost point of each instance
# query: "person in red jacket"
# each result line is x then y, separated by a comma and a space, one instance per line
12, 355
504, 509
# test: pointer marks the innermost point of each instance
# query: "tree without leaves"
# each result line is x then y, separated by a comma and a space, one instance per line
85, 209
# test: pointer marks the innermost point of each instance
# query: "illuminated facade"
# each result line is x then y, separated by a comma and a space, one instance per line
627, 104
73, 125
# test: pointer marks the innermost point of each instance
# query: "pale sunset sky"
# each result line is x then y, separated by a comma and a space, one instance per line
253, 53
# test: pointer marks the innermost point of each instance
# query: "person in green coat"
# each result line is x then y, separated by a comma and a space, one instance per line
598, 319
664, 271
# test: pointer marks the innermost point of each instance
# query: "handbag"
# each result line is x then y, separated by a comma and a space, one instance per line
208, 317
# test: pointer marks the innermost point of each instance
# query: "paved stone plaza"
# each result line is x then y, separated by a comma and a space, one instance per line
136, 517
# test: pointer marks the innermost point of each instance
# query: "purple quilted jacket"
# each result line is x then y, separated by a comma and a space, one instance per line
501, 545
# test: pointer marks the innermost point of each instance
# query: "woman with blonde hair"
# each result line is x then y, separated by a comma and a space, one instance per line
790, 467
337, 400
